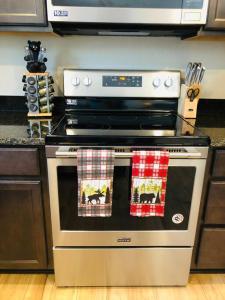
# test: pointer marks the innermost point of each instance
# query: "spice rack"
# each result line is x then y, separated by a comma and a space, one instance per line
39, 128
38, 88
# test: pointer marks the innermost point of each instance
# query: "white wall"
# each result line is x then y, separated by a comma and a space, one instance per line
111, 52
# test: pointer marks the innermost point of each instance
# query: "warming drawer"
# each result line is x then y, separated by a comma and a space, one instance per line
122, 266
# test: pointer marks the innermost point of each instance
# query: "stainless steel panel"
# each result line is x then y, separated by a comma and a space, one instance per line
122, 266
119, 132
23, 12
126, 15
113, 15
125, 152
154, 84
195, 16
136, 238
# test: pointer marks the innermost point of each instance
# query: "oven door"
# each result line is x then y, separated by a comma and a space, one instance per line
176, 228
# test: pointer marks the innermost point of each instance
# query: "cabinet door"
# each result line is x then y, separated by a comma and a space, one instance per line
211, 251
23, 12
216, 15
22, 244
215, 210
219, 164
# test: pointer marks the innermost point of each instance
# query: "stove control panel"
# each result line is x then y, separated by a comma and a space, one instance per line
114, 83
122, 81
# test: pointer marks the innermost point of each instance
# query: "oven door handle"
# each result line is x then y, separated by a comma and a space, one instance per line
173, 155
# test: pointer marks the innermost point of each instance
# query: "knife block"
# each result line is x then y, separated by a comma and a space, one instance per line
38, 88
186, 107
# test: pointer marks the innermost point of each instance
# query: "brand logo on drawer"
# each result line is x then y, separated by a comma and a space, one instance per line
61, 13
124, 240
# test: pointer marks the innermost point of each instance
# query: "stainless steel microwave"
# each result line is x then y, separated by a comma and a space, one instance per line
170, 12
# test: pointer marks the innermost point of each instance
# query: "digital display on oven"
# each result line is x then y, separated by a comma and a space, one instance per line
122, 81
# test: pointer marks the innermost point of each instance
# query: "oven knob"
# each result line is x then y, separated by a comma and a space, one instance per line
169, 82
87, 81
75, 81
156, 82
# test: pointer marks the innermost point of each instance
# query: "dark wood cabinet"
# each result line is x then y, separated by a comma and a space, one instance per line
216, 15
19, 162
215, 210
23, 12
211, 251
22, 243
219, 164
26, 241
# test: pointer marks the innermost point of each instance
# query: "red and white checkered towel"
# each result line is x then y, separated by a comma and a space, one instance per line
149, 178
95, 178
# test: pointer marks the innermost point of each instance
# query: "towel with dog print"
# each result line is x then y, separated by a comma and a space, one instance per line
149, 178
95, 179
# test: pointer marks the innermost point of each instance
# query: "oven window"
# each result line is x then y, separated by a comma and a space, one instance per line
178, 202
121, 3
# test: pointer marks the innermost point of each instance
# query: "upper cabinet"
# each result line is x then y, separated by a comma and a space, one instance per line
23, 12
216, 15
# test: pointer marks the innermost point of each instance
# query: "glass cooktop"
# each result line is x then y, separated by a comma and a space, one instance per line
124, 121
110, 128
129, 124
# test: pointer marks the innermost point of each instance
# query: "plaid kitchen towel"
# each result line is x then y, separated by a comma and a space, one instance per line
149, 178
95, 180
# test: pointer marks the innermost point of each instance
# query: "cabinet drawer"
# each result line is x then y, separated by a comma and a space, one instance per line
219, 164
19, 161
211, 252
215, 211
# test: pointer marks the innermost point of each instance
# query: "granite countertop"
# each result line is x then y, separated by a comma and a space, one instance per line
15, 126
217, 135
14, 129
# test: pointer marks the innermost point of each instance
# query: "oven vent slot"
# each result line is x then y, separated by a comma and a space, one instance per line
71, 149
118, 150
177, 150
121, 150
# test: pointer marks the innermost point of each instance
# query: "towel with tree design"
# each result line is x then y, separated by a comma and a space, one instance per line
95, 179
149, 178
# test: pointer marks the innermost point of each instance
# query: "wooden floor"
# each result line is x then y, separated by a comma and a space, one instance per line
35, 287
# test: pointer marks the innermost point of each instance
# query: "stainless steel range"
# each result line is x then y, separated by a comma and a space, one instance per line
124, 111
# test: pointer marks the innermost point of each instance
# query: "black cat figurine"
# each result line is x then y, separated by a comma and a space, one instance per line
35, 57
